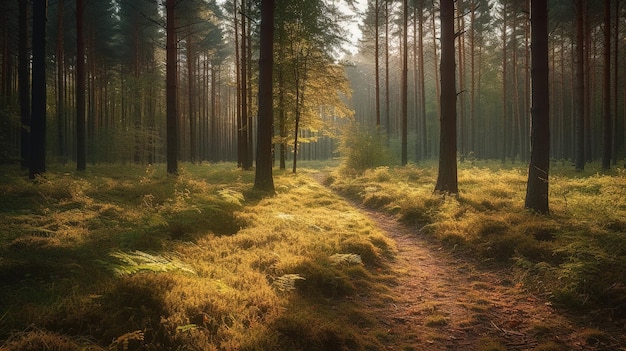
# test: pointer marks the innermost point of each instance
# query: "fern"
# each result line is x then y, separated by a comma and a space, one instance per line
348, 258
137, 261
287, 282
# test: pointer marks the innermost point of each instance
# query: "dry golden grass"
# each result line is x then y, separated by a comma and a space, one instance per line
133, 259
576, 254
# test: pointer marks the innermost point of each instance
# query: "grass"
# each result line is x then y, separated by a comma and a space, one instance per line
128, 258
576, 255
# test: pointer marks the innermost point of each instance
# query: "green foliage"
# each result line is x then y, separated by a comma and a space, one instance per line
138, 261
364, 148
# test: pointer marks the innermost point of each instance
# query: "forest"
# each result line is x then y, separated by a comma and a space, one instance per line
313, 175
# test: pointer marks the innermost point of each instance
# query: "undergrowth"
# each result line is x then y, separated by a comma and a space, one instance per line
576, 255
128, 258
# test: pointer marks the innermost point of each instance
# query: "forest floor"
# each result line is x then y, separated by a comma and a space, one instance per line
446, 301
129, 258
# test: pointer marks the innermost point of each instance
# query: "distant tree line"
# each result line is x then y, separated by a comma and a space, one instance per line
117, 49
587, 66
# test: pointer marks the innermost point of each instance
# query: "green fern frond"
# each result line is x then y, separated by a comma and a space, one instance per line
137, 261
287, 282
348, 258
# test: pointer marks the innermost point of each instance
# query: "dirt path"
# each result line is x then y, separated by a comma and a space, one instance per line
442, 302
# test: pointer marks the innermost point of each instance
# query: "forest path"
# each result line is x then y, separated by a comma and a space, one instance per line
446, 302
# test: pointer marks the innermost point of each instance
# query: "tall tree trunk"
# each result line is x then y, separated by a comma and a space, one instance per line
263, 173
387, 93
607, 130
81, 141
192, 110
436, 59
447, 176
405, 102
300, 89
37, 165
504, 85
525, 120
461, 52
171, 88
246, 162
24, 85
580, 89
423, 141
538, 170
60, 61
377, 59
588, 83
472, 112
250, 126
516, 130
282, 120
616, 141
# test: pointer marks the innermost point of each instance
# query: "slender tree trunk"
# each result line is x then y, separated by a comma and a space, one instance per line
24, 85
472, 115
504, 85
191, 108
616, 84
377, 59
525, 119
81, 142
60, 61
423, 139
461, 56
387, 93
263, 173
246, 162
588, 86
537, 188
447, 176
171, 87
607, 130
37, 165
436, 58
282, 120
405, 102
580, 89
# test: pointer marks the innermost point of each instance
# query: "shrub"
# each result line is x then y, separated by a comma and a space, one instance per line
364, 148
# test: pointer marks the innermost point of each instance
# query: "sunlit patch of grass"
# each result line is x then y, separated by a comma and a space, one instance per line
435, 320
562, 254
207, 263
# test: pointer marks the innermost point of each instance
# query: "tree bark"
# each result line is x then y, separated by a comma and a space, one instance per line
504, 85
60, 61
37, 164
263, 179
377, 60
423, 139
24, 85
607, 127
81, 141
405, 102
447, 176
246, 161
538, 170
580, 89
171, 87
